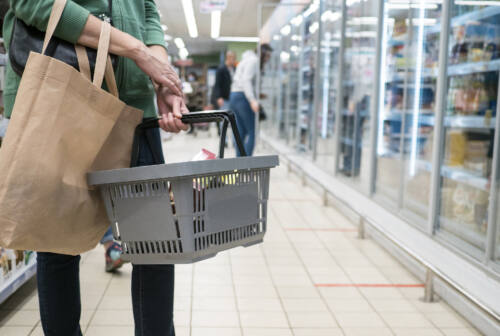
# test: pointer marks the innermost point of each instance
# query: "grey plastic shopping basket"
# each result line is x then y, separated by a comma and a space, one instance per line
186, 212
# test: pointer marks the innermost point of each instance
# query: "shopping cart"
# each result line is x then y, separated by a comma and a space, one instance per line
185, 212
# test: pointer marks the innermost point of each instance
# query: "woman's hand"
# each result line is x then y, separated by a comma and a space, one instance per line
171, 108
158, 69
152, 60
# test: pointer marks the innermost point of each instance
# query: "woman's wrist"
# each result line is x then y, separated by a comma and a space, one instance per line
137, 51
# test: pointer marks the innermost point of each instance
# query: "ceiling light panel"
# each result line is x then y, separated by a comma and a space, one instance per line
187, 5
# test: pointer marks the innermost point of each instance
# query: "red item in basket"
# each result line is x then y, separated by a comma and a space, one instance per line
204, 154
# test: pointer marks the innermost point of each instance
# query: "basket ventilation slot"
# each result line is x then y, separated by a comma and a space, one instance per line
227, 237
153, 247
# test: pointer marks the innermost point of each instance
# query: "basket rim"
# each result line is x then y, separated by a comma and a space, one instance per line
180, 170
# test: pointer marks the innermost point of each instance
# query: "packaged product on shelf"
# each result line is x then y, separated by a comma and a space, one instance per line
455, 148
480, 101
492, 43
475, 33
463, 203
459, 48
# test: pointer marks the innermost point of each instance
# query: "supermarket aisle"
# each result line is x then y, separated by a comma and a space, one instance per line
311, 277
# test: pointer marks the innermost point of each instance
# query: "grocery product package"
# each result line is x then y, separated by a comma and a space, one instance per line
62, 126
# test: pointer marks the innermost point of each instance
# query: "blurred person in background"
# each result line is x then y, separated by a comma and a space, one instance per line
243, 100
223, 80
143, 71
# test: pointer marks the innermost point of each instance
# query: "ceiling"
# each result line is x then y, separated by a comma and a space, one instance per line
239, 19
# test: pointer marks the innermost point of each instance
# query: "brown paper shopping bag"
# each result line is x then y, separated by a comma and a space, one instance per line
62, 126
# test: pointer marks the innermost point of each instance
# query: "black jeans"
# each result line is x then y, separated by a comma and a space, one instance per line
152, 285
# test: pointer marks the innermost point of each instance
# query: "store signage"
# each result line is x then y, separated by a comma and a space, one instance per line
209, 6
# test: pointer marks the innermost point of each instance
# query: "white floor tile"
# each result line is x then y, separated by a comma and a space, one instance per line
406, 320
304, 305
263, 320
216, 332
246, 304
359, 320
15, 331
19, 318
365, 331
318, 332
311, 320
215, 319
110, 331
214, 304
267, 332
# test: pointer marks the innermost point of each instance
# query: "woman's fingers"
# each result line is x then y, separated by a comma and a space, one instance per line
168, 83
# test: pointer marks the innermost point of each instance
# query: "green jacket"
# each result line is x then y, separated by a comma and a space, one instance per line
139, 18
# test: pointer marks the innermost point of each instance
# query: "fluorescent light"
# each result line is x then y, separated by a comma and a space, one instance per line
363, 20
330, 16
179, 43
314, 27
216, 24
312, 8
286, 30
285, 57
397, 5
423, 21
296, 21
183, 53
164, 27
362, 34
167, 37
238, 39
187, 5
476, 3
276, 37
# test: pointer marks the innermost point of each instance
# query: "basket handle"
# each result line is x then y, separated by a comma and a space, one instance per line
226, 116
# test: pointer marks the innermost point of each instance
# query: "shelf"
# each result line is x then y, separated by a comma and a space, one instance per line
17, 280
473, 67
428, 118
458, 174
363, 113
469, 122
477, 15
349, 142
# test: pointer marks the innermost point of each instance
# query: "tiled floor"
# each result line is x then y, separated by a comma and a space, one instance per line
311, 277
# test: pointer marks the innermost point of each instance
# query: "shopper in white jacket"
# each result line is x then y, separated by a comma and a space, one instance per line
243, 100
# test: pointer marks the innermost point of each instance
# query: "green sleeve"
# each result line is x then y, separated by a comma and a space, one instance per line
37, 12
154, 33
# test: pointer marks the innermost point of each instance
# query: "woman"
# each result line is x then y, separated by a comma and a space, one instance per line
242, 101
143, 68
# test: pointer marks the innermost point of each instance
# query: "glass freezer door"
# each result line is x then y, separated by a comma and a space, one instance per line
307, 72
329, 69
407, 98
469, 123
357, 87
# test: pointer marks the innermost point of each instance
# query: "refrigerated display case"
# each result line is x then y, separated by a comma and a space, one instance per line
268, 86
469, 124
294, 52
331, 20
406, 120
307, 71
357, 89
412, 116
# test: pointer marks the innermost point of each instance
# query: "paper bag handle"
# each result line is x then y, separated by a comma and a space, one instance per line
103, 67
55, 16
